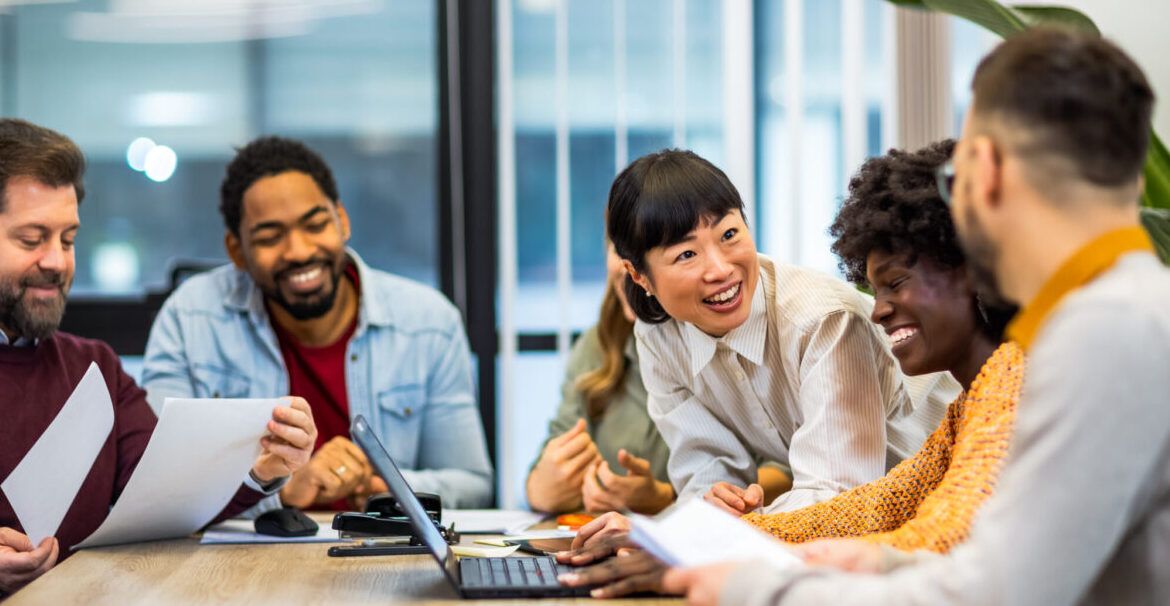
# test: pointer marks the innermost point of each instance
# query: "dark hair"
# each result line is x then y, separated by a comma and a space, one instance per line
1075, 96
266, 157
656, 201
28, 150
894, 206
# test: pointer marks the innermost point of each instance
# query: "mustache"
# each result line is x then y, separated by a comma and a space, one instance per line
44, 280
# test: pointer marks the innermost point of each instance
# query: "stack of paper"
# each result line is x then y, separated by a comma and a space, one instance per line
490, 521
234, 532
697, 533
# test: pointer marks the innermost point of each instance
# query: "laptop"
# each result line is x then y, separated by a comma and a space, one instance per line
513, 577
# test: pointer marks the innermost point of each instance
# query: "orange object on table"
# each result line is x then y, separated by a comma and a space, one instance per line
574, 520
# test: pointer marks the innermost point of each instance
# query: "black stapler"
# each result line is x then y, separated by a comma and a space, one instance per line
385, 528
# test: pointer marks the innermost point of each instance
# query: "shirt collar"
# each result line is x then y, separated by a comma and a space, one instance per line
19, 342
746, 339
1078, 270
246, 296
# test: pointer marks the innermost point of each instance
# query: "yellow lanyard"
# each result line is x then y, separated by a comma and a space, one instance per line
1080, 269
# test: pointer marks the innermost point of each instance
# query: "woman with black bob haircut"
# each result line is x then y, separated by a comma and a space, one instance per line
745, 359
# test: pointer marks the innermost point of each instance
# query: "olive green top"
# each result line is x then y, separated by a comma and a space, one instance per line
625, 423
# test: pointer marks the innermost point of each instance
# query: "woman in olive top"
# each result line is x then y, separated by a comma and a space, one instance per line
603, 452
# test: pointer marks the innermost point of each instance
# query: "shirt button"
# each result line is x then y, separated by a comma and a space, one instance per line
353, 358
407, 411
739, 376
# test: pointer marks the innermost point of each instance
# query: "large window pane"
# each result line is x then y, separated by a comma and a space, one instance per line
355, 80
795, 219
668, 91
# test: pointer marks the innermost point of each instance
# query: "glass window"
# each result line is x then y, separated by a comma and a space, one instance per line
805, 214
969, 42
355, 80
606, 38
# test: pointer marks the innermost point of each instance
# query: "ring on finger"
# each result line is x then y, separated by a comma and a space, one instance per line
340, 471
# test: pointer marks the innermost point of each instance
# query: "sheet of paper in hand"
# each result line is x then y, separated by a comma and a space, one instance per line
44, 484
197, 458
697, 533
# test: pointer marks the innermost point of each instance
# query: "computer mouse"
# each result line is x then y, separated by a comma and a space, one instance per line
286, 522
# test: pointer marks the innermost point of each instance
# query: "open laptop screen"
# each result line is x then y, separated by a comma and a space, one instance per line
422, 524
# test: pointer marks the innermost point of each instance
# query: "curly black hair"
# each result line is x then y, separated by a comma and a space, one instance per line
265, 157
894, 206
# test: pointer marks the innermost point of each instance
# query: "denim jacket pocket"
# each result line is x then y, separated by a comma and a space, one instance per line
401, 422
215, 382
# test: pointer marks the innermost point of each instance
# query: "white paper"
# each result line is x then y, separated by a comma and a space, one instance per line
244, 531
535, 535
483, 551
197, 458
44, 484
490, 521
697, 533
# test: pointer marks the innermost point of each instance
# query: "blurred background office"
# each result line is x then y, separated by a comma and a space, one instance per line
474, 141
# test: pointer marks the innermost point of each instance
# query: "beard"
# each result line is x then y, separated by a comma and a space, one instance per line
982, 256
36, 318
307, 307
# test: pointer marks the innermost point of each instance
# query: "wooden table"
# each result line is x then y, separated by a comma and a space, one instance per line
184, 572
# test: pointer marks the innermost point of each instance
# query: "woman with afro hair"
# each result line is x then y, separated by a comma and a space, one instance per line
895, 237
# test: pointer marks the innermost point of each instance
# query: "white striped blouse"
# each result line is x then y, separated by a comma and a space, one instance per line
807, 380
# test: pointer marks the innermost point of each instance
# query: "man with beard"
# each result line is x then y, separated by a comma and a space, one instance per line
1045, 183
297, 312
40, 190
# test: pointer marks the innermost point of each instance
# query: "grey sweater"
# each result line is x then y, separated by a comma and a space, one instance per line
1082, 512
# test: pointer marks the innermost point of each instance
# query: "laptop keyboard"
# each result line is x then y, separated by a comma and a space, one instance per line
510, 572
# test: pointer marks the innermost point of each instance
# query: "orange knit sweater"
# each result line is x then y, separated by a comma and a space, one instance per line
929, 500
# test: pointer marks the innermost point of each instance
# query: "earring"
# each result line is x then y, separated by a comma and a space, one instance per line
648, 293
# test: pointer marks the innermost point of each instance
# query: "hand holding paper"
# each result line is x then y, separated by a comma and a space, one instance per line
197, 457
20, 563
290, 443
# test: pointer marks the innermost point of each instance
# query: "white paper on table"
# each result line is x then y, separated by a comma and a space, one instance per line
199, 454
490, 521
44, 484
697, 533
483, 551
243, 531
541, 534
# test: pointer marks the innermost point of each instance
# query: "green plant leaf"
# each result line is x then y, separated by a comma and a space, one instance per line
1157, 224
1056, 15
1007, 21
1157, 172
989, 14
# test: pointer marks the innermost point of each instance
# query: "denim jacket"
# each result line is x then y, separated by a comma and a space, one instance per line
408, 369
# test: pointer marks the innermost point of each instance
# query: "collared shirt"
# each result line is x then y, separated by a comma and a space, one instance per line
1081, 514
807, 380
408, 370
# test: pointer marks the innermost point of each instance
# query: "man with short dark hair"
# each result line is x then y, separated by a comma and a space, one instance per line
298, 312
40, 190
1046, 181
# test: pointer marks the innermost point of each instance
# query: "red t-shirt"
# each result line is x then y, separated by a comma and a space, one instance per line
317, 374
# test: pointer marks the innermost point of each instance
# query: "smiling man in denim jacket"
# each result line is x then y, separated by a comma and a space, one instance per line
299, 313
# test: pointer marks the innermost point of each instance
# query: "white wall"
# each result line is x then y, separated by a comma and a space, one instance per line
1142, 28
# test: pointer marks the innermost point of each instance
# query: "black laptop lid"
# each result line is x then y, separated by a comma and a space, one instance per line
424, 528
